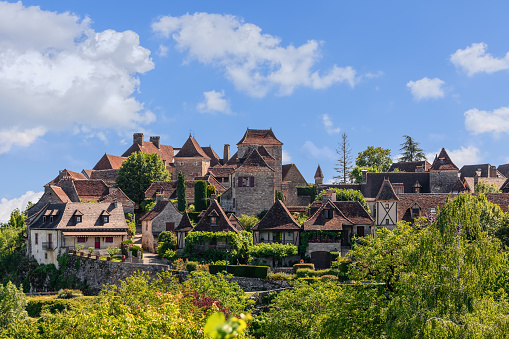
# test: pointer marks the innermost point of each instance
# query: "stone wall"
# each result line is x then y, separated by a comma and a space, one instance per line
442, 181
257, 284
253, 200
191, 166
328, 247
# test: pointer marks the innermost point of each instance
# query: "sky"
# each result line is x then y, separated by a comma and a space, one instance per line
78, 78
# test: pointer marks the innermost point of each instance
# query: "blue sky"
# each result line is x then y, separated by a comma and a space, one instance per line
77, 78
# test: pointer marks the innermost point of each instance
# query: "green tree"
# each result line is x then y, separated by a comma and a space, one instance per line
410, 150
347, 195
278, 195
131, 224
484, 187
200, 195
138, 172
375, 157
211, 190
181, 192
248, 221
166, 241
345, 160
356, 173
12, 305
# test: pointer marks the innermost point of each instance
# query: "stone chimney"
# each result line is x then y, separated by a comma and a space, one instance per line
156, 141
159, 196
226, 153
493, 172
138, 138
329, 195
477, 176
115, 203
419, 168
364, 176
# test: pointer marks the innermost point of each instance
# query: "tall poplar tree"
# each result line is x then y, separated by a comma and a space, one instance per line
345, 160
181, 192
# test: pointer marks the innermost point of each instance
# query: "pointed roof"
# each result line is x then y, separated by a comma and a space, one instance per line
59, 192
108, 161
66, 174
354, 211
460, 186
443, 162
277, 218
159, 207
386, 192
259, 137
319, 173
222, 223
214, 158
255, 162
185, 224
164, 151
191, 149
319, 222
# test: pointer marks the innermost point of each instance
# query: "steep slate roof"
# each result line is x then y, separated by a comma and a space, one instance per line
410, 166
164, 151
470, 170
235, 221
386, 192
354, 212
442, 162
191, 149
318, 173
375, 180
504, 170
318, 221
460, 186
160, 206
223, 222
255, 163
185, 224
214, 158
277, 218
108, 162
259, 137
288, 168
91, 218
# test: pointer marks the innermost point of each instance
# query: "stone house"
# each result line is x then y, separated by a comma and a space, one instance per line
192, 160
386, 206
164, 216
277, 226
58, 228
153, 146
185, 226
292, 178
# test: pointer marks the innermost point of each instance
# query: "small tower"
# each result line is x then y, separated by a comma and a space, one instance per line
319, 176
387, 206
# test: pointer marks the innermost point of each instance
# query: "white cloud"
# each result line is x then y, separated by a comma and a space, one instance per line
7, 206
24, 138
287, 158
214, 102
312, 151
426, 88
163, 51
56, 73
463, 156
255, 62
496, 121
474, 59
329, 125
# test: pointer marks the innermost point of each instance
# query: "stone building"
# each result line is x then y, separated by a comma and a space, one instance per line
277, 226
192, 160
292, 178
443, 173
185, 226
58, 228
162, 217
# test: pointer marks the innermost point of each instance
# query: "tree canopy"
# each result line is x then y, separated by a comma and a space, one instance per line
375, 157
138, 172
485, 187
410, 150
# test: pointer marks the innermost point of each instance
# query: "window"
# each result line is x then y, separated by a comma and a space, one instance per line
51, 219
78, 218
106, 219
327, 214
415, 212
386, 206
36, 238
44, 218
245, 181
109, 239
432, 210
82, 239
387, 221
360, 231
213, 221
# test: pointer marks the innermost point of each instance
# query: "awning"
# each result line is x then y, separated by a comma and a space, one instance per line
94, 234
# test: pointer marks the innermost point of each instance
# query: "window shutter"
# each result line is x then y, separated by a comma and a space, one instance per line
251, 181
240, 182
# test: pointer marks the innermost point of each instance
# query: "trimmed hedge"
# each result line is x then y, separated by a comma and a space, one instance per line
53, 305
241, 270
307, 265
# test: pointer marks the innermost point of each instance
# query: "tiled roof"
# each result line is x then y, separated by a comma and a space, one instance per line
65, 173
214, 158
118, 195
109, 162
191, 149
504, 170
169, 189
318, 173
354, 211
185, 224
259, 137
442, 162
288, 169
386, 192
91, 189
57, 190
156, 210
108, 176
277, 218
410, 166
460, 186
254, 162
164, 151
223, 223
233, 161
221, 171
318, 221
235, 221
212, 181
375, 180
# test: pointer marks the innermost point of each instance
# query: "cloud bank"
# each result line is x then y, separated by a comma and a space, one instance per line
214, 102
474, 59
7, 206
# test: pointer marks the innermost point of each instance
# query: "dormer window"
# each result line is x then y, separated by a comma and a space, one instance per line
327, 213
77, 218
43, 218
415, 212
106, 219
51, 219
213, 221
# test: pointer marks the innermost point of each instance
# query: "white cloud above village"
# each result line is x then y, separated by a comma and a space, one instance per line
7, 206
426, 88
56, 73
214, 102
474, 59
287, 158
329, 125
479, 121
311, 151
255, 62
462, 156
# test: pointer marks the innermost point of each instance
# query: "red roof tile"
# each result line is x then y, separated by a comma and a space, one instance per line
277, 218
259, 137
191, 149
109, 162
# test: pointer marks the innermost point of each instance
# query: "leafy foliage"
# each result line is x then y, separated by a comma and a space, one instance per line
181, 192
410, 150
147, 204
240, 242
347, 195
311, 191
484, 187
248, 221
138, 172
357, 173
167, 244
200, 195
375, 157
131, 224
12, 305
278, 195
275, 250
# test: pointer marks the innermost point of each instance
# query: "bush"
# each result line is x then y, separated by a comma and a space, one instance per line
69, 294
170, 255
36, 305
135, 249
12, 305
241, 270
297, 266
280, 276
334, 255
90, 250
167, 244
180, 264
191, 266
305, 273
329, 277
275, 250
113, 251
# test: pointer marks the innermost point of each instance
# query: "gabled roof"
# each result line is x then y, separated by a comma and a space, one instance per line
318, 221
164, 151
442, 162
386, 192
318, 173
410, 166
191, 149
108, 162
214, 158
233, 161
504, 170
159, 207
185, 224
66, 174
221, 171
235, 221
355, 212
259, 137
375, 180
254, 162
222, 223
277, 218
460, 186
292, 173
59, 192
470, 171
108, 176
91, 189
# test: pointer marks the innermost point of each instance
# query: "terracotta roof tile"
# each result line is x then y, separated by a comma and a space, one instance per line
354, 212
191, 149
60, 193
108, 176
89, 190
259, 137
318, 221
108, 162
156, 210
254, 162
65, 173
164, 151
221, 171
214, 158
277, 218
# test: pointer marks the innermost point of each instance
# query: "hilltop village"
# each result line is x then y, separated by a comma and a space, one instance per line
86, 208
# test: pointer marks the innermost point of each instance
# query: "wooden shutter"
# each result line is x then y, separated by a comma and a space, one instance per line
251, 181
360, 231
240, 182
170, 226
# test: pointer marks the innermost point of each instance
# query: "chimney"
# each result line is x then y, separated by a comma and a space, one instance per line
226, 153
419, 168
364, 176
115, 203
329, 195
478, 173
138, 138
493, 172
156, 141
159, 196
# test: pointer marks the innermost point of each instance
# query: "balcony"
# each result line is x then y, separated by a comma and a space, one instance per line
48, 246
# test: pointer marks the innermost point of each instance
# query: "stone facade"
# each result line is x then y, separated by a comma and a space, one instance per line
253, 200
328, 247
192, 167
159, 219
442, 181
291, 180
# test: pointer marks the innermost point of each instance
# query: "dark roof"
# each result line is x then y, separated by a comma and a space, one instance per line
354, 211
222, 223
108, 162
214, 158
254, 162
185, 224
318, 221
460, 186
504, 170
108, 176
318, 173
277, 218
386, 192
410, 166
259, 137
375, 180
169, 189
470, 170
156, 210
191, 149
233, 161
442, 162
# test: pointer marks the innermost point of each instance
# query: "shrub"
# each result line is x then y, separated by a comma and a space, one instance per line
180, 264
305, 272
280, 276
275, 250
36, 305
328, 277
241, 270
334, 255
79, 247
167, 242
170, 255
90, 250
135, 249
191, 266
113, 251
297, 266
69, 294
12, 305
